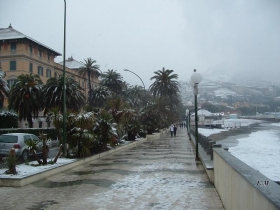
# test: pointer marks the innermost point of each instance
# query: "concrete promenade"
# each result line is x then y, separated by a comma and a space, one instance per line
158, 174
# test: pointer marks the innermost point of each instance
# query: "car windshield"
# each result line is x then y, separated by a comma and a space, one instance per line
8, 139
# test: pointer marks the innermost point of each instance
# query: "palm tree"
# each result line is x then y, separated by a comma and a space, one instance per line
105, 129
89, 70
52, 94
98, 96
81, 137
136, 96
4, 89
112, 80
164, 84
25, 97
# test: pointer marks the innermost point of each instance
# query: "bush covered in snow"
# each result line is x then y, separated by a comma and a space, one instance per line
8, 119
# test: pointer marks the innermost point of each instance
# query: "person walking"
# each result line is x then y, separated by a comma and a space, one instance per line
171, 128
175, 130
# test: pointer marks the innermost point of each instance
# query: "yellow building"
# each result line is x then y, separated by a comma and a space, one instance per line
20, 54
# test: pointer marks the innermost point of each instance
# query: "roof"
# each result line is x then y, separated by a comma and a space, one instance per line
12, 34
71, 63
203, 112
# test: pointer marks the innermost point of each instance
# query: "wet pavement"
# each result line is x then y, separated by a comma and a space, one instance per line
158, 174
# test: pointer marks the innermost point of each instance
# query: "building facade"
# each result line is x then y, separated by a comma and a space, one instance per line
20, 54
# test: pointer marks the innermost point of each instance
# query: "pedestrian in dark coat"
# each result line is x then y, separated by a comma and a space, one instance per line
175, 130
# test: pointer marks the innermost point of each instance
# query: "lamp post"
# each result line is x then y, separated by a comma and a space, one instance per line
187, 119
196, 79
142, 83
189, 105
145, 105
64, 91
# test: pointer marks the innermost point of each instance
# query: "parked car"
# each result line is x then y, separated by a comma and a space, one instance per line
17, 141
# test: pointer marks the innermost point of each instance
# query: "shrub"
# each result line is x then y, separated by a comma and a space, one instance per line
8, 119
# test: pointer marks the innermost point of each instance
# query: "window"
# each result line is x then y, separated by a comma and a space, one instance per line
40, 52
55, 74
49, 73
30, 48
13, 46
35, 138
49, 57
11, 82
40, 71
26, 138
30, 67
13, 65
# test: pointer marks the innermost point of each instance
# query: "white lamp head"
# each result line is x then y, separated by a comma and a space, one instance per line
196, 77
189, 104
191, 83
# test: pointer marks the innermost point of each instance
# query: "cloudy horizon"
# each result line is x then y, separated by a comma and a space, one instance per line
233, 37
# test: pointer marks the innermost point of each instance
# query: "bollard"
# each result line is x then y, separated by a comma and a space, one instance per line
209, 147
215, 146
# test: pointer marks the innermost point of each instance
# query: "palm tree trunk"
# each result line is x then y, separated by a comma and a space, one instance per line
89, 85
29, 119
45, 162
58, 153
36, 158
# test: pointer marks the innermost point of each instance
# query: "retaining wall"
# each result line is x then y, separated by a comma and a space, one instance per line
242, 187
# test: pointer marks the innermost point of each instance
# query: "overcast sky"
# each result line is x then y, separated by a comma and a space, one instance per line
237, 37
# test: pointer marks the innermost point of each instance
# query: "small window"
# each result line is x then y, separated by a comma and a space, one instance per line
49, 73
31, 67
49, 56
30, 48
40, 52
40, 71
13, 65
13, 46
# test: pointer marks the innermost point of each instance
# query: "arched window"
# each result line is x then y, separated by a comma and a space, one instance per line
11, 81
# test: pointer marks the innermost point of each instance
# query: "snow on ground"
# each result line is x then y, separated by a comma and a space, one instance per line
275, 124
228, 124
261, 151
208, 132
24, 170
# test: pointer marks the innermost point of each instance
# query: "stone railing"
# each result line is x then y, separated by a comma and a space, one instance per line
242, 187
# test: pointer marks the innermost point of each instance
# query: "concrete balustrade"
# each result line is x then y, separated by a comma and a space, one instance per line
242, 187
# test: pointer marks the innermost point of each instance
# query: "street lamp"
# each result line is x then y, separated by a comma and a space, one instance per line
142, 83
64, 91
144, 90
196, 78
188, 113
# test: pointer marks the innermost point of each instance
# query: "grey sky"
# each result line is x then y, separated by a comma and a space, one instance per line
145, 35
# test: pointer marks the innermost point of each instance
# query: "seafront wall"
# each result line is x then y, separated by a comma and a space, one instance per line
238, 185
242, 187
